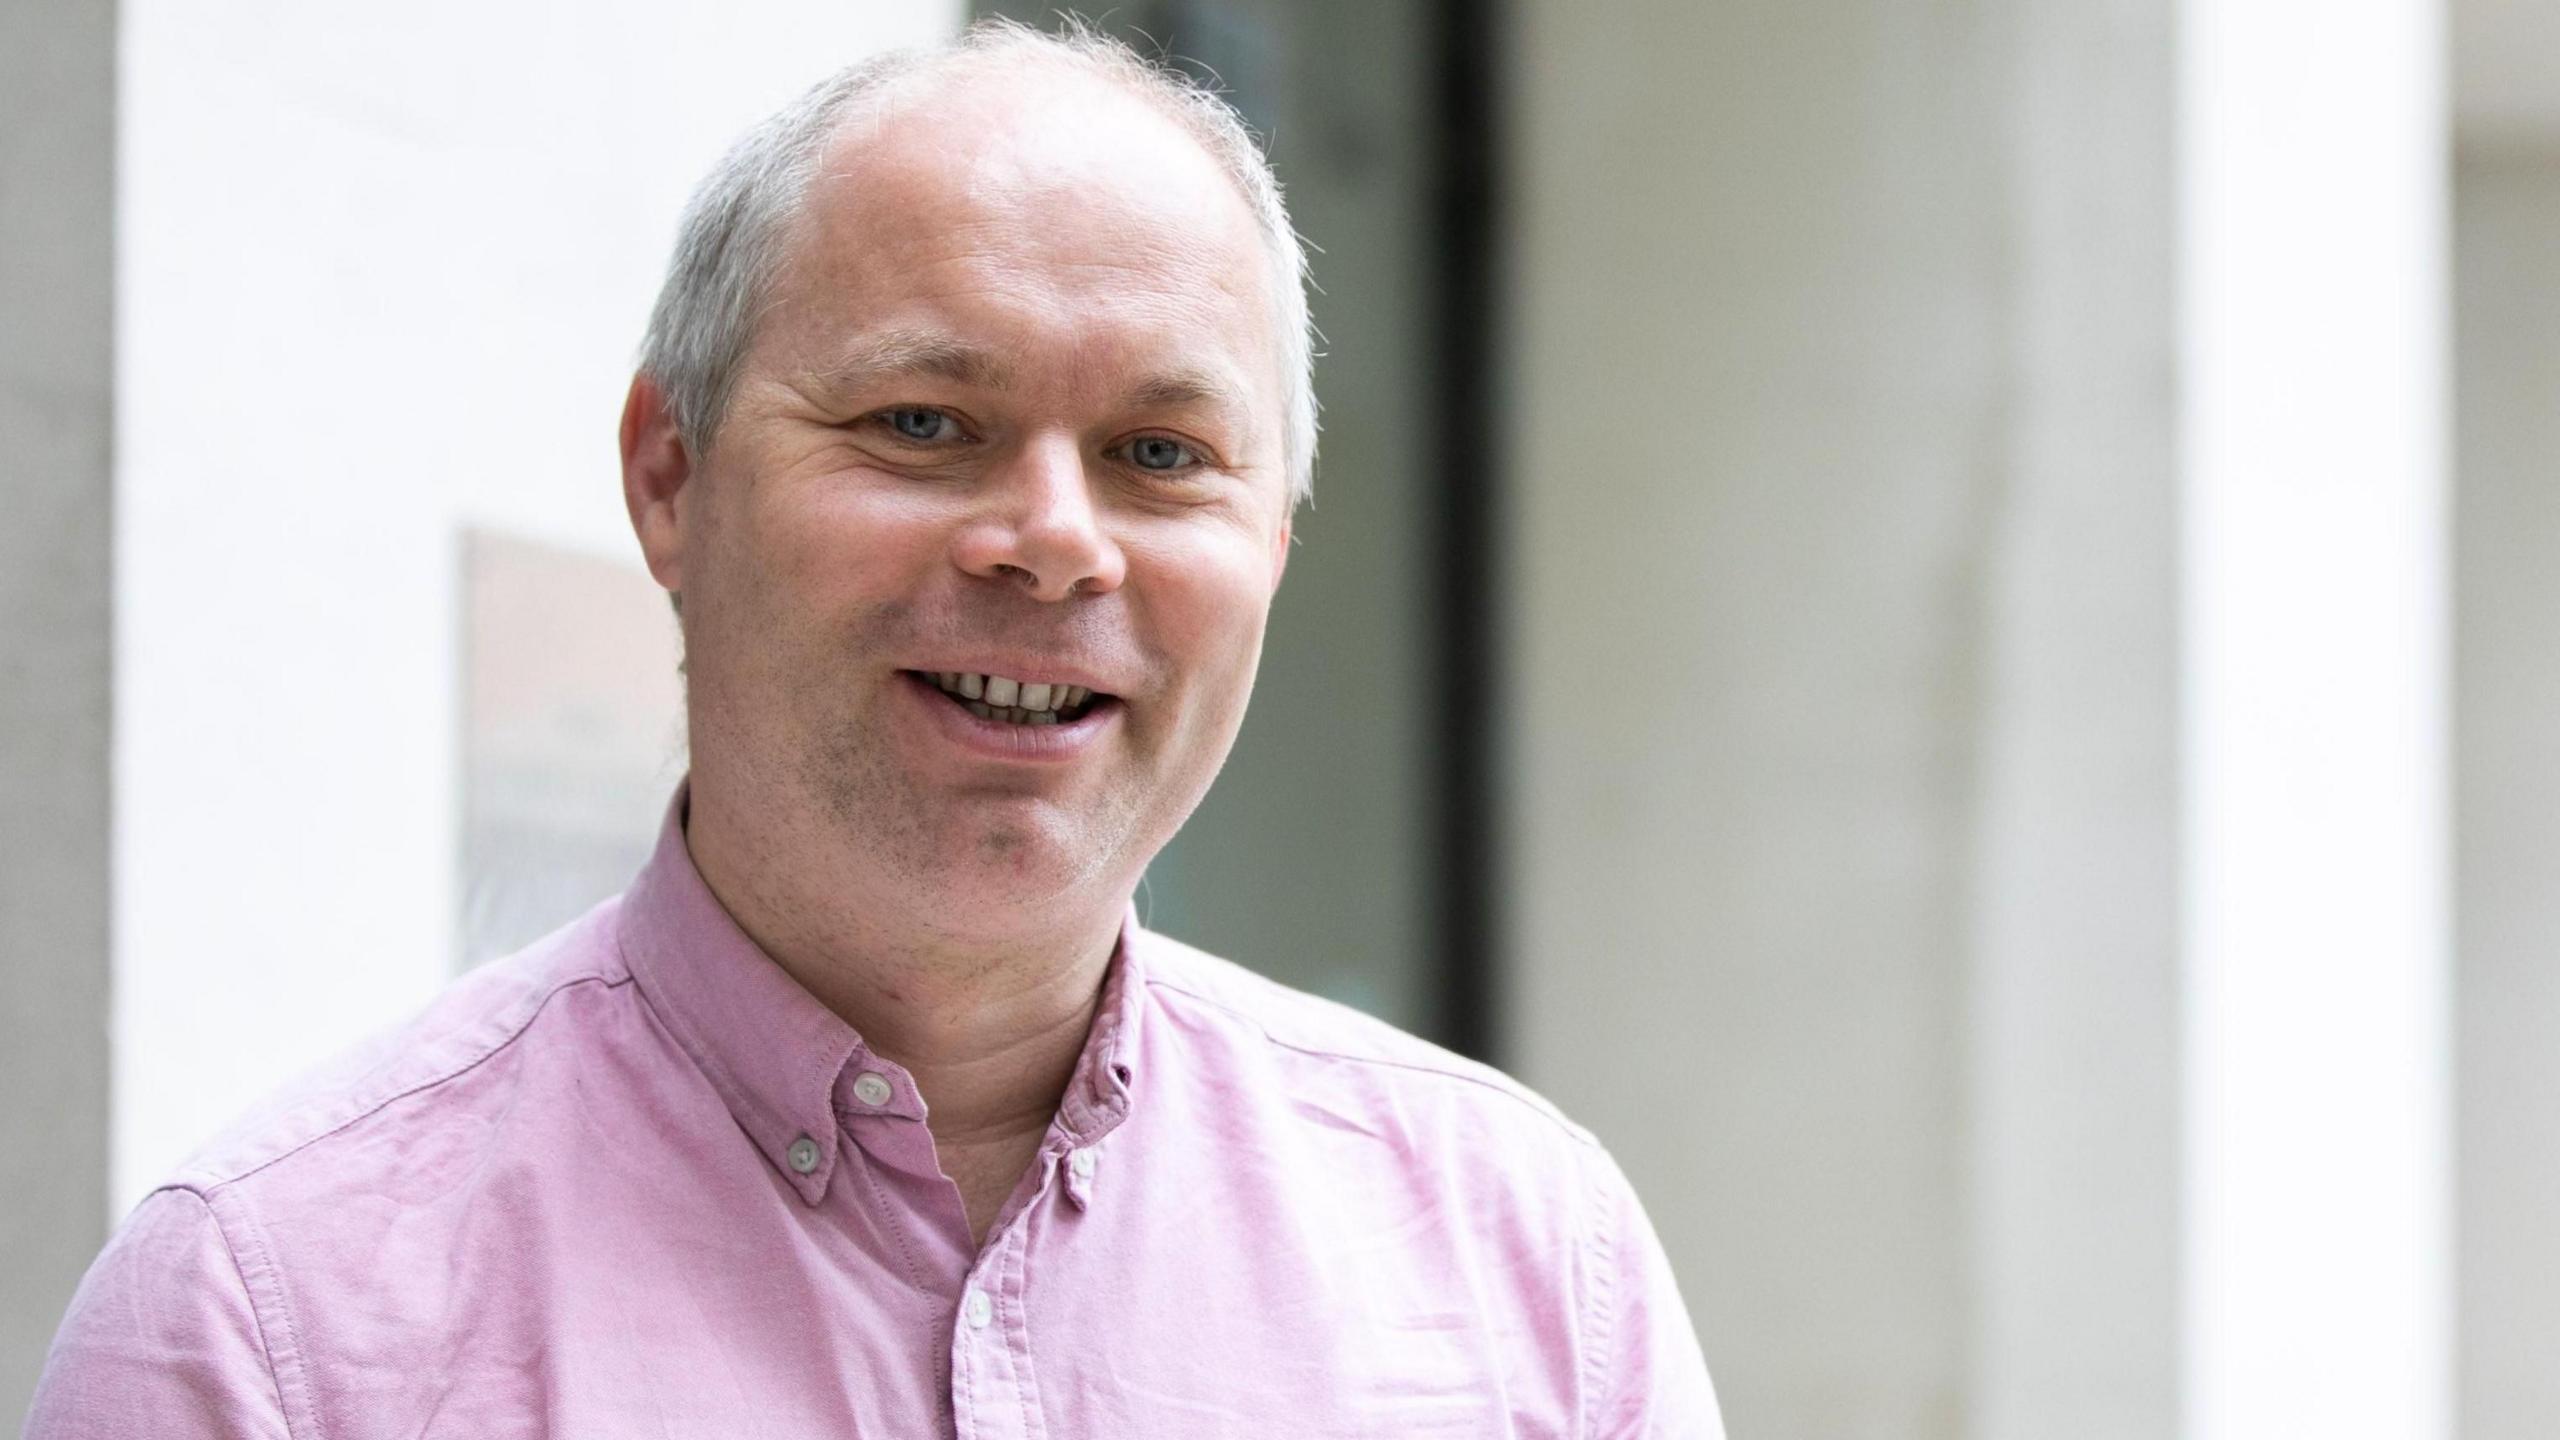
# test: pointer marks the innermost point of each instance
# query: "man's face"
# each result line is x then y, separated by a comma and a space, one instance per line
1015, 412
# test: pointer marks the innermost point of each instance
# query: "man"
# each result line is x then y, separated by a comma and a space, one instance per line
967, 437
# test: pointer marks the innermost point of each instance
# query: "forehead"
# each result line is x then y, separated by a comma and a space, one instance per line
1033, 212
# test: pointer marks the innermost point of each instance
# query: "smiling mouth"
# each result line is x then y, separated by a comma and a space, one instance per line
1014, 702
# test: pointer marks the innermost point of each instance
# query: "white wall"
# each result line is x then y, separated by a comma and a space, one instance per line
2315, 779
381, 274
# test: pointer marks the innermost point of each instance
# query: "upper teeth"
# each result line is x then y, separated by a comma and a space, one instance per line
1005, 691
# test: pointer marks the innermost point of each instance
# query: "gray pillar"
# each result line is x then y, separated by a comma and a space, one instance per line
1846, 900
57, 152
1760, 434
2507, 776
2075, 986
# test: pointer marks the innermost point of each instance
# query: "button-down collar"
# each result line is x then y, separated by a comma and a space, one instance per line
795, 1075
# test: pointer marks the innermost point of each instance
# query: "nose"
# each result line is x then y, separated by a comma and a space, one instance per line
1039, 527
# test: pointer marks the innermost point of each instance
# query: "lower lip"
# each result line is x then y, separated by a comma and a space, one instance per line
1003, 740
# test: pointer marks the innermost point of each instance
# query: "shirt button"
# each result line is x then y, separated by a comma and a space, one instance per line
978, 1309
1081, 1162
871, 1088
804, 1154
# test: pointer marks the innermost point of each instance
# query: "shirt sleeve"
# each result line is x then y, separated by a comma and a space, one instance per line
161, 1339
1651, 1379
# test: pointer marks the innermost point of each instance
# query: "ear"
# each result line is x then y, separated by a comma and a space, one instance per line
655, 467
1279, 556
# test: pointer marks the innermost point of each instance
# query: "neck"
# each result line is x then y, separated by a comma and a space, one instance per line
988, 1019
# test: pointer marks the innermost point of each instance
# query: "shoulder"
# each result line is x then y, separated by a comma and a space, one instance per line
533, 997
1458, 1162
1256, 1022
161, 1338
1487, 1189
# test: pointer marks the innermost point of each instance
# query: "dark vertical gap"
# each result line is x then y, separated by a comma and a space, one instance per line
1462, 288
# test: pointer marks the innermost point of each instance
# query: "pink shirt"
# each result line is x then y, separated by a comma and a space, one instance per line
636, 1182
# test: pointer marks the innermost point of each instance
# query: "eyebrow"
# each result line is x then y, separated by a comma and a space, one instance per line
890, 354
1178, 388
1209, 389
893, 353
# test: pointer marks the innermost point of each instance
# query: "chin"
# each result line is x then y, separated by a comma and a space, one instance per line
1020, 861
998, 881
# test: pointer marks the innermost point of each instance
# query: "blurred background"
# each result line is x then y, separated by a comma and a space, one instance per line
1937, 617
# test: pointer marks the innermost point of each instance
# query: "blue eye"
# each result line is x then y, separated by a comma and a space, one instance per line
1155, 452
913, 423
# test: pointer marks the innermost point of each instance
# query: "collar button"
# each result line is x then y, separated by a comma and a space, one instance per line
804, 1154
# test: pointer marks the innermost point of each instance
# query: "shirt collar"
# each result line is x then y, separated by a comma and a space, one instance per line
1106, 1074
780, 1059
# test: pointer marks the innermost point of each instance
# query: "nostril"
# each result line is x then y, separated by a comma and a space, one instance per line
1030, 580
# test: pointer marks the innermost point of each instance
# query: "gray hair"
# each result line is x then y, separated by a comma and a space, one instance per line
730, 242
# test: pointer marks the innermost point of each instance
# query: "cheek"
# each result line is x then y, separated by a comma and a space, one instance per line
1206, 604
819, 549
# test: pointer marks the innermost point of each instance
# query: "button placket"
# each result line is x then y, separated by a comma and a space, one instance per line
992, 1392
1005, 1343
